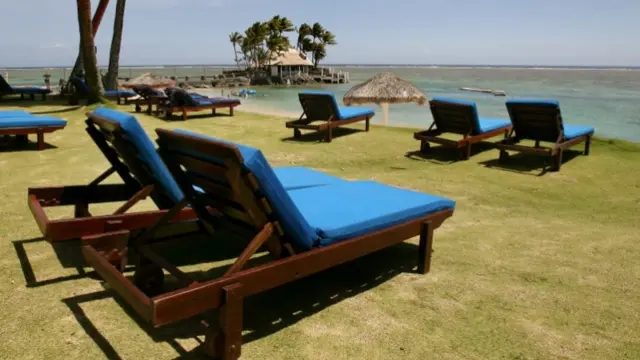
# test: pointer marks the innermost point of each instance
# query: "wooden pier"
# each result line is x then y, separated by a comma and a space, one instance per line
330, 75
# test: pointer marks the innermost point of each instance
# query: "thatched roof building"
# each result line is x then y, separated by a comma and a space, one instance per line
290, 62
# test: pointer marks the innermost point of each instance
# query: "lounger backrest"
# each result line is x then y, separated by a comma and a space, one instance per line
5, 87
130, 142
180, 97
455, 116
236, 180
536, 119
146, 91
80, 85
319, 105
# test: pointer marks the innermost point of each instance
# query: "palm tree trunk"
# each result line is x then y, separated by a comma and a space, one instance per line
111, 82
90, 60
97, 19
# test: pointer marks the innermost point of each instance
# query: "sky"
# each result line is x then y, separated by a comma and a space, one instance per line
462, 32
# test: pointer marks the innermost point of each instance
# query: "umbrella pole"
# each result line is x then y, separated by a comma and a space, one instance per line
385, 113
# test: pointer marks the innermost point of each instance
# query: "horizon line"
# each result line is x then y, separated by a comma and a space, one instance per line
350, 64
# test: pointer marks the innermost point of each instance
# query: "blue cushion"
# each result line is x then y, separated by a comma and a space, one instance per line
570, 131
474, 109
83, 85
350, 112
295, 177
573, 131
30, 121
290, 218
487, 125
16, 113
146, 150
345, 210
121, 93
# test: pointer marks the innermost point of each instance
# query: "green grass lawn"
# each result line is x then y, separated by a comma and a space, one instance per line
531, 266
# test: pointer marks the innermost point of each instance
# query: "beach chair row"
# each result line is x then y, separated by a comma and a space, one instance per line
306, 220
534, 120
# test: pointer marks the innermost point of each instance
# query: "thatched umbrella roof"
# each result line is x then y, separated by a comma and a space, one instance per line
384, 88
151, 80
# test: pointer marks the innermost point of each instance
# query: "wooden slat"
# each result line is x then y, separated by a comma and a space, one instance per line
131, 294
203, 167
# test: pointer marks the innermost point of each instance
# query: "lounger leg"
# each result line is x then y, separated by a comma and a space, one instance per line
297, 133
44, 97
467, 152
329, 134
503, 155
227, 341
425, 248
231, 111
213, 111
424, 146
366, 126
40, 141
557, 161
184, 115
32, 96
21, 96
587, 145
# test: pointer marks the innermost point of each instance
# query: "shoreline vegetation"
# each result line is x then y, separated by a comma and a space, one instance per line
532, 265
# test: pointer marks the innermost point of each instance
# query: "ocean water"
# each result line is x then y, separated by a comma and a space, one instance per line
608, 99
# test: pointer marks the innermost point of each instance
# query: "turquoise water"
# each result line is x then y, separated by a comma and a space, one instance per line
609, 100
606, 99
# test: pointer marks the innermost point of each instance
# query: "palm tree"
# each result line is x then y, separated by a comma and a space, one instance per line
111, 82
92, 75
303, 32
236, 39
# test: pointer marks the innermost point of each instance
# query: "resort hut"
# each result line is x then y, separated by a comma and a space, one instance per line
290, 63
384, 89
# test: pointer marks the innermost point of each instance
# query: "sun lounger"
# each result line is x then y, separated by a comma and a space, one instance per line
183, 102
541, 120
21, 124
7, 89
149, 96
305, 231
459, 117
133, 157
82, 90
321, 108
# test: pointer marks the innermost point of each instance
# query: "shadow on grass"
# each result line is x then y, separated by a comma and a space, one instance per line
68, 253
287, 304
446, 155
320, 136
527, 163
64, 110
28, 103
15, 145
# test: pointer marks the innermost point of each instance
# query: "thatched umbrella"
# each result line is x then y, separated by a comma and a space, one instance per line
384, 89
152, 80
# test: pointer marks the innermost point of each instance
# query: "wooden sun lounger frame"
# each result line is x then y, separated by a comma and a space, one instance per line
539, 118
32, 96
75, 96
169, 110
305, 123
458, 122
80, 196
258, 222
158, 101
22, 133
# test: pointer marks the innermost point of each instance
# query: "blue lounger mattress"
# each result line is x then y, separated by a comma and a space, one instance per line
345, 210
121, 93
481, 125
14, 113
343, 112
291, 177
570, 131
323, 215
30, 121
